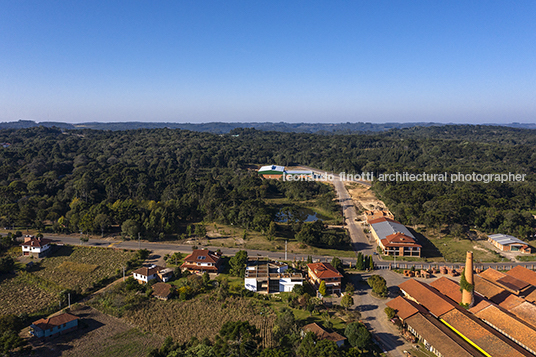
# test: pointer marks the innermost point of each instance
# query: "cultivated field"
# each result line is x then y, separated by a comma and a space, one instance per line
73, 267
77, 268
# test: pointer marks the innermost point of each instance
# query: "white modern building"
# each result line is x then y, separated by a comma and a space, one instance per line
264, 276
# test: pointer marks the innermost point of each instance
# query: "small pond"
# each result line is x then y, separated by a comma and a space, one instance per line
299, 214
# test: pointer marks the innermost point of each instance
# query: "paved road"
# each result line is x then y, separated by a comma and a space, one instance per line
360, 242
183, 248
373, 315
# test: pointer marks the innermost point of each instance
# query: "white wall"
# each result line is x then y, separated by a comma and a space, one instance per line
286, 285
250, 284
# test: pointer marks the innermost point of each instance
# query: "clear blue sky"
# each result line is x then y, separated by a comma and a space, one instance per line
293, 60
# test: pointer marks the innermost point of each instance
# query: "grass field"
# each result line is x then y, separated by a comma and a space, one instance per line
76, 268
438, 247
232, 237
201, 316
73, 267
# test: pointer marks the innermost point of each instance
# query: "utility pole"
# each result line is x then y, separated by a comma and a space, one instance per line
286, 242
139, 242
69, 295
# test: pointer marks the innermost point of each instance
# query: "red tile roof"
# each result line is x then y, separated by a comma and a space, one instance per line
486, 288
491, 274
382, 219
427, 296
522, 273
322, 334
526, 312
146, 271
448, 288
49, 323
399, 240
513, 283
511, 301
405, 308
162, 290
435, 335
324, 270
506, 281
37, 242
202, 256
199, 267
485, 337
508, 325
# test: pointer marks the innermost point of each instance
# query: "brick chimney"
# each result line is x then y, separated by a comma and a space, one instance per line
468, 296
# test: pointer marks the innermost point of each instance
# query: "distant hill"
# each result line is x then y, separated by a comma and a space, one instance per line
224, 128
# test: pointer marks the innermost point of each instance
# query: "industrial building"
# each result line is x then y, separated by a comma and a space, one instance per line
277, 172
508, 243
394, 238
464, 320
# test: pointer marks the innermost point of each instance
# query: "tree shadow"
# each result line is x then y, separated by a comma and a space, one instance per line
61, 251
368, 307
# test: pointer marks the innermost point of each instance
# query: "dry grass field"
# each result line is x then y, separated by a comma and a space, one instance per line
73, 267
202, 316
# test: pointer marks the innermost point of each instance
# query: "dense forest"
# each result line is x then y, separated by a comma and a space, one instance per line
225, 128
156, 180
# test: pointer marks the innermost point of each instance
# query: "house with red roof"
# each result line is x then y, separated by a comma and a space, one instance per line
202, 260
318, 272
54, 326
37, 247
394, 238
322, 334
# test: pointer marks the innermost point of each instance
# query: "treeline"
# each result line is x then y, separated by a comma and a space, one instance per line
160, 178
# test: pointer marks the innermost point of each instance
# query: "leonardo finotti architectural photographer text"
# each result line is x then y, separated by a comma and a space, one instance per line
410, 177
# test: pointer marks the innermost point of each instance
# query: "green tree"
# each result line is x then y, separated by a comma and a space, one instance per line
378, 285
130, 228
360, 265
347, 301
272, 230
390, 312
322, 289
7, 264
349, 289
337, 264
307, 345
200, 231
358, 335
237, 263
10, 327
285, 324
103, 222
206, 278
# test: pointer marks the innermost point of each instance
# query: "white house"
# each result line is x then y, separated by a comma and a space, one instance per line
38, 247
264, 276
145, 274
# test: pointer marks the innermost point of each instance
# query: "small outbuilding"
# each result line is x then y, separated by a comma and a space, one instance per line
54, 326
